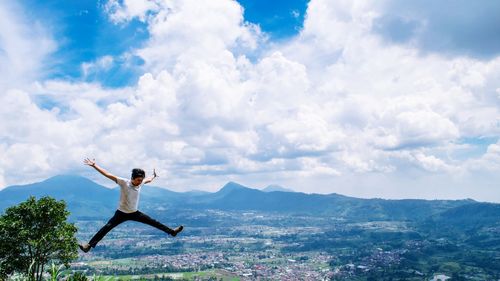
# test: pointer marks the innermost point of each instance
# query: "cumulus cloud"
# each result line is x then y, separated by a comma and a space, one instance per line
24, 46
102, 64
36, 143
329, 107
122, 11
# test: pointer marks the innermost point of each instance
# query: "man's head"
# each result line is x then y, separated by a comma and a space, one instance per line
138, 176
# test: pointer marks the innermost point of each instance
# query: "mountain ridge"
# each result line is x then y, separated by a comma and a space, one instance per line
89, 199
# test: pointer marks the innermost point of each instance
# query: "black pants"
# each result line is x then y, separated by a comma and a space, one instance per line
120, 217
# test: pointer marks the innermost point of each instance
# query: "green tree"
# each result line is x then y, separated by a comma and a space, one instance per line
34, 233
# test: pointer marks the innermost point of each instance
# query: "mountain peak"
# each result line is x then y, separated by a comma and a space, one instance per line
230, 186
66, 177
274, 187
68, 180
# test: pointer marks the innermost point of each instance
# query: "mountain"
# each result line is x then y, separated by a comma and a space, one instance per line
470, 216
236, 197
82, 195
88, 200
84, 198
68, 186
230, 187
197, 192
273, 187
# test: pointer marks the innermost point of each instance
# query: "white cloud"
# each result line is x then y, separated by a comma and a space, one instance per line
35, 142
399, 129
187, 32
102, 64
130, 9
61, 93
431, 163
24, 44
488, 162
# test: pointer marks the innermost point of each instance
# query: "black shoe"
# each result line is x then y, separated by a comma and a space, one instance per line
177, 230
85, 247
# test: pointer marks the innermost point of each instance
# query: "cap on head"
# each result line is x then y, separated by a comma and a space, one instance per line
138, 173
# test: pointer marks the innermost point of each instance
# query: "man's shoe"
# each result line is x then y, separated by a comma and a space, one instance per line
85, 247
177, 230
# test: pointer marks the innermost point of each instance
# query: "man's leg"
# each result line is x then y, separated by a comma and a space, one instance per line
118, 218
141, 217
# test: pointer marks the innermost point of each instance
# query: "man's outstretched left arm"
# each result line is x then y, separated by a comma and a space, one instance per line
148, 180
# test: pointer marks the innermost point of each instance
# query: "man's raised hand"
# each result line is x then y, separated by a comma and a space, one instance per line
105, 173
89, 162
150, 179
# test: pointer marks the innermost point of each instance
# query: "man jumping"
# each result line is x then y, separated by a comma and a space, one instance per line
127, 208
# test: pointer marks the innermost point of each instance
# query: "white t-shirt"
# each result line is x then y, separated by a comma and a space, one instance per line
129, 195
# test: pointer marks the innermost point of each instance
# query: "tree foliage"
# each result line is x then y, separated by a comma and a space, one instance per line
34, 233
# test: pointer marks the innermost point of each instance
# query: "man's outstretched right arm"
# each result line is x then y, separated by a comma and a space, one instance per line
105, 173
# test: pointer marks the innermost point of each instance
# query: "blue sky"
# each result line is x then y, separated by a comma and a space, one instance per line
85, 33
390, 99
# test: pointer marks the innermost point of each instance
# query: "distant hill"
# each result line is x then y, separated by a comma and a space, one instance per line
272, 188
86, 199
469, 217
238, 198
83, 196
197, 192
